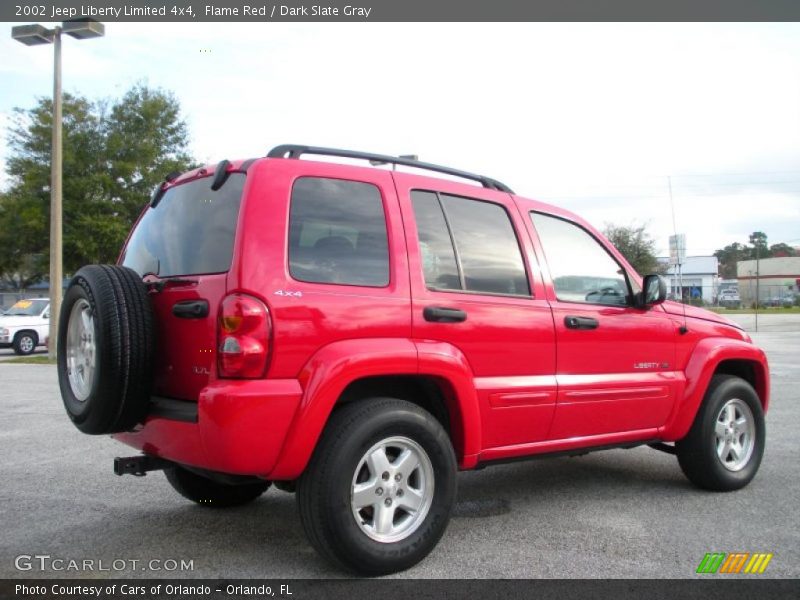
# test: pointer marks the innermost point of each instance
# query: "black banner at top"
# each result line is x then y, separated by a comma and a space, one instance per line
187, 11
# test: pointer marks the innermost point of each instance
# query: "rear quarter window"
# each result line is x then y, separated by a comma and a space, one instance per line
337, 233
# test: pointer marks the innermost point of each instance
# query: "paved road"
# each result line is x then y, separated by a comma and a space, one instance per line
621, 513
766, 321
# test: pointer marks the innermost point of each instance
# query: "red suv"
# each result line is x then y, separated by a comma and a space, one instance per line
359, 335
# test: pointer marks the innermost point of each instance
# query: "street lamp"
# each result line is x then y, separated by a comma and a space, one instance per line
755, 239
34, 35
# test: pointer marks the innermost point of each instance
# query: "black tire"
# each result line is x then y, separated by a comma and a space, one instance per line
324, 490
697, 452
119, 391
25, 343
206, 492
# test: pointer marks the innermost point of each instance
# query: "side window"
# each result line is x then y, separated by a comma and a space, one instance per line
435, 245
468, 245
582, 269
337, 233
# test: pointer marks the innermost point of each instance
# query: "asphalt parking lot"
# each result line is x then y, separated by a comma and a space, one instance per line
620, 513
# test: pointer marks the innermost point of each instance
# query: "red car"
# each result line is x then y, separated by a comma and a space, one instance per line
358, 335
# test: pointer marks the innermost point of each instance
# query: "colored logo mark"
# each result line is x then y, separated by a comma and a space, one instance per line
735, 562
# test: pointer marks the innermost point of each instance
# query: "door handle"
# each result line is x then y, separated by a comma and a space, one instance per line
190, 309
440, 314
580, 322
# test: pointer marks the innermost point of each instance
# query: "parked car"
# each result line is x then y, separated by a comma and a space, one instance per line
729, 298
25, 325
781, 301
358, 335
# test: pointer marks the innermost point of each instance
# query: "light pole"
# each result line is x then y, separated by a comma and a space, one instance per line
34, 35
755, 239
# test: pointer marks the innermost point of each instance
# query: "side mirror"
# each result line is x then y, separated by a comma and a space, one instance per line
654, 291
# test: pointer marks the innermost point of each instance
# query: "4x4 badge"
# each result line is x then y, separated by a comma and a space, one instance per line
288, 293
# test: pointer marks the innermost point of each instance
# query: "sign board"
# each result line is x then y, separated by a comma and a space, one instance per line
677, 249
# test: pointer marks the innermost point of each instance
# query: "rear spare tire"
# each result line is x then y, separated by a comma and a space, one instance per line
105, 349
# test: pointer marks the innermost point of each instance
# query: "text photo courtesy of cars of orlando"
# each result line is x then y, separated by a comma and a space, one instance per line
340, 351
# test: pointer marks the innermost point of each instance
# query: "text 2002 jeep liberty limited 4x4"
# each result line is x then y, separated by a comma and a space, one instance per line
360, 334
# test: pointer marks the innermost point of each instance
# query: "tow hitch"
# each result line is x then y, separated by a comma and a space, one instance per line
139, 465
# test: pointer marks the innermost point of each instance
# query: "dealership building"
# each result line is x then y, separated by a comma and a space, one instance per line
773, 278
698, 278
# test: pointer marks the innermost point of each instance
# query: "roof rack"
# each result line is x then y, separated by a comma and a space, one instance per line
296, 151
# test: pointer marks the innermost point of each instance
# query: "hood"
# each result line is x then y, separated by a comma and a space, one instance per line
20, 320
693, 312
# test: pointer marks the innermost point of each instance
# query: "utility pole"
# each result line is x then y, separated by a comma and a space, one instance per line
754, 240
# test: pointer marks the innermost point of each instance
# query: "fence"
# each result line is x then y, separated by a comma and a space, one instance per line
770, 296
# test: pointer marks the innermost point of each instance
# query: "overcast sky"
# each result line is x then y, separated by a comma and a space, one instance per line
592, 117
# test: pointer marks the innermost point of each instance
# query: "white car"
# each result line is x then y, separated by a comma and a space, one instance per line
729, 298
25, 325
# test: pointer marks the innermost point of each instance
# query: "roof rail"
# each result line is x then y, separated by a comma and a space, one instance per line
296, 151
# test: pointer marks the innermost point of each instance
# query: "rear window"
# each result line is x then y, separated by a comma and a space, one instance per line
190, 232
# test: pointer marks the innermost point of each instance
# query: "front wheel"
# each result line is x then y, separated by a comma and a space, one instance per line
25, 343
378, 492
724, 447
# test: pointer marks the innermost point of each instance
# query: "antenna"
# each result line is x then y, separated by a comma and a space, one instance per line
683, 329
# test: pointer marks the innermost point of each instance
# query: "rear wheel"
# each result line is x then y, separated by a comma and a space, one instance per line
378, 492
724, 447
25, 343
214, 494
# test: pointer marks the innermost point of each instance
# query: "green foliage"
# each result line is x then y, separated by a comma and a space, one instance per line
729, 256
114, 154
779, 250
636, 245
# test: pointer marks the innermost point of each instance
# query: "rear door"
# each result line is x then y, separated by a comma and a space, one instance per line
184, 246
616, 363
324, 248
474, 288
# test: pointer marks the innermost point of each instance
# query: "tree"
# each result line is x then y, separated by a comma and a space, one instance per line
759, 241
636, 245
114, 153
781, 250
729, 256
733, 253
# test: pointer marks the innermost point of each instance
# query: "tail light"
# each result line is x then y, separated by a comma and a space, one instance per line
244, 332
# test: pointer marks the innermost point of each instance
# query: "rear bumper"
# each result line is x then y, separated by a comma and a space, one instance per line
240, 427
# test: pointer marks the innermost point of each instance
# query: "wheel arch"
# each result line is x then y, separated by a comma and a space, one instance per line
715, 356
356, 369
30, 331
753, 372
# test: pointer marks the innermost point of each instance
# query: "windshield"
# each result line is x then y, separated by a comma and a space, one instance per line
190, 232
27, 308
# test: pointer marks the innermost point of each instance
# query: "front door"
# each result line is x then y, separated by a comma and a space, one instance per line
616, 363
